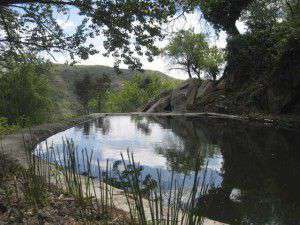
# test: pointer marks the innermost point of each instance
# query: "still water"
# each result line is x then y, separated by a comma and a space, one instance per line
258, 164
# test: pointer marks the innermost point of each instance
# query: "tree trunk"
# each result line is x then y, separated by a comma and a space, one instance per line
189, 72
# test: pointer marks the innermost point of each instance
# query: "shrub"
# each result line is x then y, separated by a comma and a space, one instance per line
25, 96
5, 128
136, 93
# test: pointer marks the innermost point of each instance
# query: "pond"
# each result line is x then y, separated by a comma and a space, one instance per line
257, 163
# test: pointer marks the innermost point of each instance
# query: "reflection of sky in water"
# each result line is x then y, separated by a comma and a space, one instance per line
125, 133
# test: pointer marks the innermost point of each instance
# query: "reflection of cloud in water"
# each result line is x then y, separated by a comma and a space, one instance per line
122, 133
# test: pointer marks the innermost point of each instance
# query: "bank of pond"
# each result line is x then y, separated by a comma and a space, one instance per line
219, 169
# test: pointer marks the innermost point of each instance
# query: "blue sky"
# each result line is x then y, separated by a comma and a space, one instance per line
189, 21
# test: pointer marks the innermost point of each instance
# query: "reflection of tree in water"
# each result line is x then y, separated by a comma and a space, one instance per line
144, 127
263, 163
188, 148
184, 154
86, 128
142, 124
103, 123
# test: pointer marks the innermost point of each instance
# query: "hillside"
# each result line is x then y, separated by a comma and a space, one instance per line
71, 73
63, 77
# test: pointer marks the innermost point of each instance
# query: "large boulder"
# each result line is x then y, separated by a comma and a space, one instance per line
184, 95
210, 97
176, 100
162, 105
205, 88
163, 94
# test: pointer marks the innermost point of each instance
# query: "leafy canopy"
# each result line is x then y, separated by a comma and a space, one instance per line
127, 27
190, 52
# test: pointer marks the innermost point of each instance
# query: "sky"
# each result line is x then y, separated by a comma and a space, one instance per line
189, 21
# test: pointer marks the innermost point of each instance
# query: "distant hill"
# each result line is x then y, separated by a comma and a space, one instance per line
63, 77
71, 73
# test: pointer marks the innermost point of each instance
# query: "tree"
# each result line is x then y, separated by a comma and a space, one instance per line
214, 59
101, 88
25, 95
190, 52
84, 90
92, 92
185, 51
31, 26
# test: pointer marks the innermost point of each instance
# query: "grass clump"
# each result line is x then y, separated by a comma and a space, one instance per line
70, 185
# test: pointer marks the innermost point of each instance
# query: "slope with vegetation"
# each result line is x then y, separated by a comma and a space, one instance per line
262, 65
102, 89
33, 93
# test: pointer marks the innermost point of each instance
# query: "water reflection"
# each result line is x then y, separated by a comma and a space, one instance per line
86, 128
261, 163
103, 124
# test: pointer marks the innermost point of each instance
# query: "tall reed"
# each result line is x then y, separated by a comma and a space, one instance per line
80, 175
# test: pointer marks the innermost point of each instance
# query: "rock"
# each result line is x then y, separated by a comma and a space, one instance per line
163, 94
205, 88
184, 95
180, 99
192, 93
162, 105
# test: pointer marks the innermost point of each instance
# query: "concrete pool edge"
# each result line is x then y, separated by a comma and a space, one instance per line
13, 145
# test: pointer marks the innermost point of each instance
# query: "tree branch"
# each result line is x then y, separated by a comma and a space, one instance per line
47, 2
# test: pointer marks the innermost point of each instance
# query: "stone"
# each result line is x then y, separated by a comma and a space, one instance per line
161, 105
206, 88
184, 95
163, 94
180, 99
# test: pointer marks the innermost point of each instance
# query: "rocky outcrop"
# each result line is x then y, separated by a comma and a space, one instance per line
280, 96
191, 96
245, 88
176, 100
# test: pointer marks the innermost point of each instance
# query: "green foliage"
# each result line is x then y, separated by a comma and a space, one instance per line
213, 60
257, 53
263, 62
136, 93
84, 90
190, 52
32, 26
25, 96
185, 51
63, 79
92, 92
5, 128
